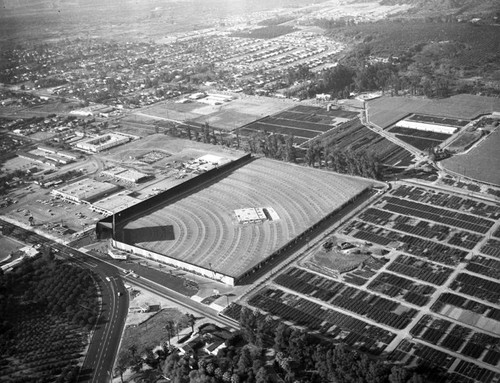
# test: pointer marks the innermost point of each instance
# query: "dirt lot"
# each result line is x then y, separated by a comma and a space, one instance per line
242, 110
148, 329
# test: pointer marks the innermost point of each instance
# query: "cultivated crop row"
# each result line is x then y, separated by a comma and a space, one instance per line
396, 286
310, 284
363, 303
421, 228
465, 239
477, 287
419, 269
441, 332
447, 300
448, 201
376, 216
430, 135
457, 338
429, 357
438, 120
313, 112
435, 214
418, 142
433, 251
474, 372
265, 127
492, 248
485, 266
362, 274
352, 331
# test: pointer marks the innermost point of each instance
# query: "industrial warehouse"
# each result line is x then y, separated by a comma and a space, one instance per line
201, 225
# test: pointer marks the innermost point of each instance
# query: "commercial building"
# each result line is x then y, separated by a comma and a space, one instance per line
100, 143
85, 191
114, 204
437, 128
123, 174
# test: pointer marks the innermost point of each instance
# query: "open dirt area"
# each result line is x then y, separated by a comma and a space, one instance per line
147, 329
336, 260
240, 111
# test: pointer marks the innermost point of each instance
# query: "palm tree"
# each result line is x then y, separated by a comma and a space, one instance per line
120, 369
191, 321
133, 350
170, 330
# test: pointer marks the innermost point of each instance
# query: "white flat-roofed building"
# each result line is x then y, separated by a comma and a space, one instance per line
424, 126
86, 191
113, 172
114, 204
123, 174
100, 143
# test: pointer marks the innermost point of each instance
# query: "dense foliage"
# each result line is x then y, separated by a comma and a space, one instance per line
265, 350
46, 307
345, 161
432, 57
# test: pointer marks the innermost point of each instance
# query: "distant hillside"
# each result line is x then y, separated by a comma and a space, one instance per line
457, 7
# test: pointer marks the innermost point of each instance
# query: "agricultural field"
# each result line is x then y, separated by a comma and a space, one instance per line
45, 328
207, 233
480, 162
240, 111
427, 235
356, 267
301, 121
337, 325
464, 141
337, 128
358, 137
386, 111
420, 139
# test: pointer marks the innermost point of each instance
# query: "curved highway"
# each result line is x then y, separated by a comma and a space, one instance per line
98, 364
103, 348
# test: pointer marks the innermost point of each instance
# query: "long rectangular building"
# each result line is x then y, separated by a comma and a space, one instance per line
86, 191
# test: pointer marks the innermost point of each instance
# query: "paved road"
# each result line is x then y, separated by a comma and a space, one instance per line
103, 347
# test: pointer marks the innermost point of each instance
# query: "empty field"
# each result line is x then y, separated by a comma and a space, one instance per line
240, 111
481, 162
386, 111
207, 232
8, 245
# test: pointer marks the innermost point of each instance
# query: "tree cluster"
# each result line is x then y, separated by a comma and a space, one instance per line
46, 307
346, 160
277, 146
266, 350
43, 283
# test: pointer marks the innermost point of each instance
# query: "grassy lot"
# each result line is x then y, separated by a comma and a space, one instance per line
481, 162
385, 111
8, 245
152, 333
338, 261
465, 140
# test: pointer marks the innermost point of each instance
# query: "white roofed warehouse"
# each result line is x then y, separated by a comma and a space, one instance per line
86, 191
